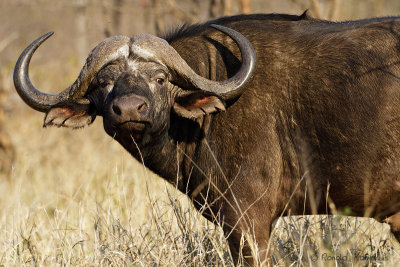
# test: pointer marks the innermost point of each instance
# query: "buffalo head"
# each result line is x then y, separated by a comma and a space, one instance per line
134, 83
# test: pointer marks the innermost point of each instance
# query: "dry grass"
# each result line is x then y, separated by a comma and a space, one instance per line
327, 240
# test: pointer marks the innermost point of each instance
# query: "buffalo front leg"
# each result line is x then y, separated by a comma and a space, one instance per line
245, 249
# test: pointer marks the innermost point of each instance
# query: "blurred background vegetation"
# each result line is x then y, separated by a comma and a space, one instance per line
76, 196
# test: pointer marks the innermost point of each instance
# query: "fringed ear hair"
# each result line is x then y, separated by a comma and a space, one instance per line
76, 114
198, 104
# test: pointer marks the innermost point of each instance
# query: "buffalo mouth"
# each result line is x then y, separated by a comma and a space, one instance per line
133, 128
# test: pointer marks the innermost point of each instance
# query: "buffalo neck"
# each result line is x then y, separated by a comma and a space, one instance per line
175, 155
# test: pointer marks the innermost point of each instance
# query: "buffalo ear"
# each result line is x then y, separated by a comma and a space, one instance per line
72, 114
197, 104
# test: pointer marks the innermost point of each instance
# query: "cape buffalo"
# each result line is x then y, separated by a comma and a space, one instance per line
252, 116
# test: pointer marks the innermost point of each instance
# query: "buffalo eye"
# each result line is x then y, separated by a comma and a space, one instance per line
160, 81
107, 84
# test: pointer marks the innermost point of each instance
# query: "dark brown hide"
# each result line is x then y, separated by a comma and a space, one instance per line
322, 111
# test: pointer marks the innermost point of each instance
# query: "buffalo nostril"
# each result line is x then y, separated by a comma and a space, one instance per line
116, 110
129, 108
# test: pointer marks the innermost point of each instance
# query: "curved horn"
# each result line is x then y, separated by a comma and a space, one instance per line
158, 49
33, 97
108, 50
